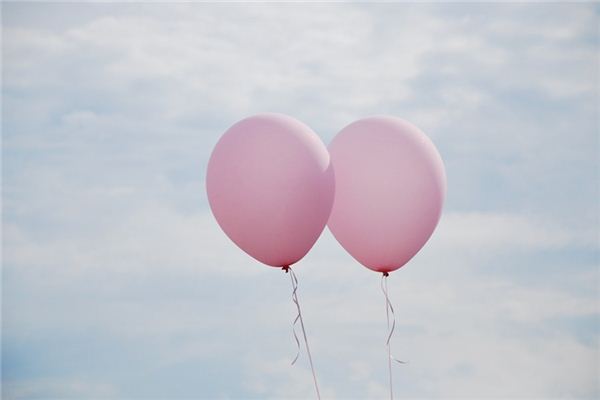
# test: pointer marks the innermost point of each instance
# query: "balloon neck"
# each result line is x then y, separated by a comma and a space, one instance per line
386, 274
286, 268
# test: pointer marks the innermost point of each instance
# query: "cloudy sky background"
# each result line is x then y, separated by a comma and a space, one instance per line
117, 282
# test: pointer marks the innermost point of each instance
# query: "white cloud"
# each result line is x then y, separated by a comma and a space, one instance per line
488, 232
149, 239
109, 123
461, 335
207, 60
59, 389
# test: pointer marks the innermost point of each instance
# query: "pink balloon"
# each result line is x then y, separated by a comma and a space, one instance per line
390, 186
270, 186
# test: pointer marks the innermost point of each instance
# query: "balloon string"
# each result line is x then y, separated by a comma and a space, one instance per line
299, 318
389, 309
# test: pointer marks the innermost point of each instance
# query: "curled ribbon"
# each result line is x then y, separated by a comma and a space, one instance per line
389, 309
299, 318
295, 300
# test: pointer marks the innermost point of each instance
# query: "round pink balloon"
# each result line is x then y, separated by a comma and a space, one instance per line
270, 186
390, 185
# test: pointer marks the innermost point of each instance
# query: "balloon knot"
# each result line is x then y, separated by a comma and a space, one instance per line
286, 268
386, 274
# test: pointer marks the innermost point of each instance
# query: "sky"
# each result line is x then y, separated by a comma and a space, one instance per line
117, 283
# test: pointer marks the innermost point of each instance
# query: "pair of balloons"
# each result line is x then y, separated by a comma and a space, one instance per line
273, 186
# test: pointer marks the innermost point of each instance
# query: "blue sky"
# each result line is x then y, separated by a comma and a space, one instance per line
117, 282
